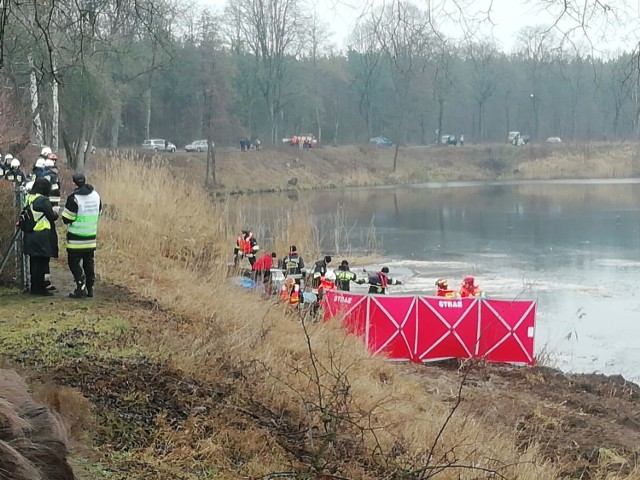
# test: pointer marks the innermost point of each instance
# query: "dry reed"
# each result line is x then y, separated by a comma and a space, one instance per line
165, 239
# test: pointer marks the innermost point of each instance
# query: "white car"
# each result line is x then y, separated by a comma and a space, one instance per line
159, 145
198, 146
554, 140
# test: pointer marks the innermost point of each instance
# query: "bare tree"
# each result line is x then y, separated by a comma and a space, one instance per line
271, 30
485, 77
539, 47
406, 36
364, 45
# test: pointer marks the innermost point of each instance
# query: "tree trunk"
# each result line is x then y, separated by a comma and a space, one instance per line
210, 168
395, 157
35, 104
147, 125
336, 124
272, 116
319, 126
440, 115
481, 121
55, 127
508, 116
116, 114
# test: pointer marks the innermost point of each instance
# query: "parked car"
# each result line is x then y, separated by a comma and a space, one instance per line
380, 142
554, 140
159, 145
512, 136
198, 146
305, 138
448, 140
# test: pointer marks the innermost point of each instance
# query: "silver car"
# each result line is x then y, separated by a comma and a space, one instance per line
159, 145
197, 146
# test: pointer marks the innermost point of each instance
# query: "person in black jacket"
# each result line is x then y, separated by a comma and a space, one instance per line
319, 271
42, 243
344, 277
378, 282
293, 265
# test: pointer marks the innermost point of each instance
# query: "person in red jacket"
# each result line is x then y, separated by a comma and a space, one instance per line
443, 288
246, 246
468, 288
290, 292
262, 270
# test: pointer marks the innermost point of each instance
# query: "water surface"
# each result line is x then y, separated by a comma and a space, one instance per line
574, 246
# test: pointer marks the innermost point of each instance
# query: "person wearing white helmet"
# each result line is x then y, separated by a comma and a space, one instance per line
15, 173
6, 164
45, 152
51, 174
38, 169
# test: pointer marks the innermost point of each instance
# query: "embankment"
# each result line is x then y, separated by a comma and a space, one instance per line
284, 168
191, 378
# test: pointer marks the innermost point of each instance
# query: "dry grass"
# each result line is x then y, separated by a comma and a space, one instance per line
361, 417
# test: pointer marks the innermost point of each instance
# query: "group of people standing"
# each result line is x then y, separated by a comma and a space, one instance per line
468, 288
297, 277
246, 144
40, 240
296, 274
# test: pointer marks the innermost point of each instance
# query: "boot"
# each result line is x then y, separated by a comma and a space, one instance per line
47, 283
89, 290
81, 289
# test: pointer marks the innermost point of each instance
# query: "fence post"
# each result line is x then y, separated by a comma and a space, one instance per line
22, 266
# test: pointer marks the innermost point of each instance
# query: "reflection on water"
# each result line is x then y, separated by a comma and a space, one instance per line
573, 246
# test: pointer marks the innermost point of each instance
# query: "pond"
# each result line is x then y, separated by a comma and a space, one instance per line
573, 246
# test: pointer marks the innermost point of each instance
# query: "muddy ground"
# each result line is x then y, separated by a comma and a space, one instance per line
586, 424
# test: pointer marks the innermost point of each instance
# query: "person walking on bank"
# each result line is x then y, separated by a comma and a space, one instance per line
41, 244
344, 277
81, 213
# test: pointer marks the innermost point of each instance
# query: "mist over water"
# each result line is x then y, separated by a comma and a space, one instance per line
574, 247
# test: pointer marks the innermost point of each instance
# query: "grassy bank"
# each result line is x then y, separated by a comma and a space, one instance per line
283, 168
190, 378
334, 410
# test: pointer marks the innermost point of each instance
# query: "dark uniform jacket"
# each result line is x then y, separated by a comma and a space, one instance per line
43, 243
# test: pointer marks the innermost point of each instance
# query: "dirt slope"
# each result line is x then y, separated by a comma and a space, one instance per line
153, 420
588, 424
282, 168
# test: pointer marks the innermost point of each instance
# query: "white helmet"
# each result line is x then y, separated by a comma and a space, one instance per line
49, 163
15, 163
40, 163
8, 157
46, 151
28, 186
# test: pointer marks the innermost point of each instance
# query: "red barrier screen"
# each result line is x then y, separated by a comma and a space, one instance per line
422, 329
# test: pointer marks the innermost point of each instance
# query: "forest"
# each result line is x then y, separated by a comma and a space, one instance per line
111, 74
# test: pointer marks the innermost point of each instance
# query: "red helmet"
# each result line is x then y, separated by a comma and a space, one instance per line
469, 279
442, 283
53, 157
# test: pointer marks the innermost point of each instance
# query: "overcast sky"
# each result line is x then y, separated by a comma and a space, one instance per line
507, 17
